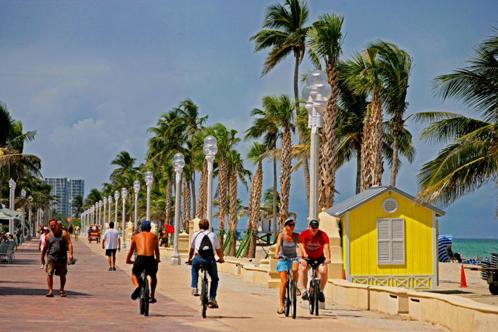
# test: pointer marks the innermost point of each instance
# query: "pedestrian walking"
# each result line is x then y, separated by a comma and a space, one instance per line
111, 243
57, 246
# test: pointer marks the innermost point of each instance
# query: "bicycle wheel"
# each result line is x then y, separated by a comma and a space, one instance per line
287, 302
293, 299
317, 293
146, 297
204, 296
311, 298
142, 297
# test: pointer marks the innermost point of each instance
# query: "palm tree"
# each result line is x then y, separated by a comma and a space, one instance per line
397, 65
326, 43
364, 75
265, 126
125, 172
284, 32
471, 158
93, 197
236, 172
255, 155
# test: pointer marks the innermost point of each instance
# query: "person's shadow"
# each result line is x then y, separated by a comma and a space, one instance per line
10, 291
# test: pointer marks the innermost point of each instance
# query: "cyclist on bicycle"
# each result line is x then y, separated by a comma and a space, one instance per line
203, 248
316, 245
290, 247
146, 244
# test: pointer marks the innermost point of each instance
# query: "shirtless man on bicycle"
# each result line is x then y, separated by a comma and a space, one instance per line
146, 245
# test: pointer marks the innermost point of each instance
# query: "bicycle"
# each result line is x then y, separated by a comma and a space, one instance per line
290, 295
204, 287
144, 294
314, 286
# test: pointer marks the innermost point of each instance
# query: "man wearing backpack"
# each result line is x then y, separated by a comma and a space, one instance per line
203, 248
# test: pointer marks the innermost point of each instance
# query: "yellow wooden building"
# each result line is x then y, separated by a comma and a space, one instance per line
389, 238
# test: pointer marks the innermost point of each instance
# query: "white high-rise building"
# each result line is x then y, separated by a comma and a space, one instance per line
65, 190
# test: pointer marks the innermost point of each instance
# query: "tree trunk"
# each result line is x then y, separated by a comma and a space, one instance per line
358, 169
285, 176
233, 213
201, 204
167, 210
222, 178
274, 203
192, 190
328, 146
371, 149
395, 165
186, 205
255, 208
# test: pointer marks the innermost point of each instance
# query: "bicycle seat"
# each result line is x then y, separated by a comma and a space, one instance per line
314, 263
203, 266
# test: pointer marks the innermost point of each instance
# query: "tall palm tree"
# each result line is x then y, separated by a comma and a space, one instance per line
364, 74
397, 65
471, 158
265, 126
255, 155
326, 43
236, 172
285, 32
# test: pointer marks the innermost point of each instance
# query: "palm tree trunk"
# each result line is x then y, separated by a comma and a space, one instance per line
285, 175
328, 147
274, 202
167, 210
358, 169
395, 164
233, 213
201, 204
222, 178
186, 205
255, 208
371, 149
192, 190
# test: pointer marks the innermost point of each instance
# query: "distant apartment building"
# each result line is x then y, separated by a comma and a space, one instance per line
65, 190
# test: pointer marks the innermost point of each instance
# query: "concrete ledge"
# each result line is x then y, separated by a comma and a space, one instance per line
346, 293
389, 300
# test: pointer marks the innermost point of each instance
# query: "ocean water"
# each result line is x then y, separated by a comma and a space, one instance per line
471, 248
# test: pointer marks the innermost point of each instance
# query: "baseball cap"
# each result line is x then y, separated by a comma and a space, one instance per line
146, 225
314, 223
288, 220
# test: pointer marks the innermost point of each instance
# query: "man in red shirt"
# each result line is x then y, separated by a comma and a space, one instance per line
316, 245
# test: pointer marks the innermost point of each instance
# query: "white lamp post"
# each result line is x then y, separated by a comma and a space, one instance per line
316, 93
124, 193
210, 149
12, 193
116, 201
109, 201
23, 219
149, 178
104, 210
136, 189
33, 229
178, 164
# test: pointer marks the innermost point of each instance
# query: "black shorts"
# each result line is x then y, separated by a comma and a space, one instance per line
110, 252
149, 263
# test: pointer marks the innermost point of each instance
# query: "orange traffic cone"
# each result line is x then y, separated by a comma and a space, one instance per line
463, 279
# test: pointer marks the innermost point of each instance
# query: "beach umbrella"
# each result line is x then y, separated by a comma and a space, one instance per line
442, 248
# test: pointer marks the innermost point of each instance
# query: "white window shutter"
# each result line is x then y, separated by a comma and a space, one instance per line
384, 241
398, 241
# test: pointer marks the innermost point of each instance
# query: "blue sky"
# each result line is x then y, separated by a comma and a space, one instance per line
92, 76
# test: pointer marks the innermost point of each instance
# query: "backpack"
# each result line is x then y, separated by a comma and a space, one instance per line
206, 248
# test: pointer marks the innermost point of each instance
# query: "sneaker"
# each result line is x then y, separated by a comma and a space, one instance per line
305, 296
135, 294
321, 297
195, 292
213, 304
114, 269
110, 269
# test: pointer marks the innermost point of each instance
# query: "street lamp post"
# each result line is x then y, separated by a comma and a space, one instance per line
316, 93
12, 193
30, 201
178, 164
109, 200
23, 220
148, 182
116, 201
124, 193
136, 189
104, 210
210, 149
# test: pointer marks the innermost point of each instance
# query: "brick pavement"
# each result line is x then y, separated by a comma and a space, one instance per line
99, 299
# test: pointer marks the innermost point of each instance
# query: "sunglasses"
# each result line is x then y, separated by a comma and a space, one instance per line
291, 224
314, 227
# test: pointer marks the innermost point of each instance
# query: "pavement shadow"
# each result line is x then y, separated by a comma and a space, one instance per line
12, 291
230, 317
450, 291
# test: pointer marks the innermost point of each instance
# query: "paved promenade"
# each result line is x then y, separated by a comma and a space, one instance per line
100, 300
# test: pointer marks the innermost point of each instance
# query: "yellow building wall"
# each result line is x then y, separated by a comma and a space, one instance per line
363, 237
